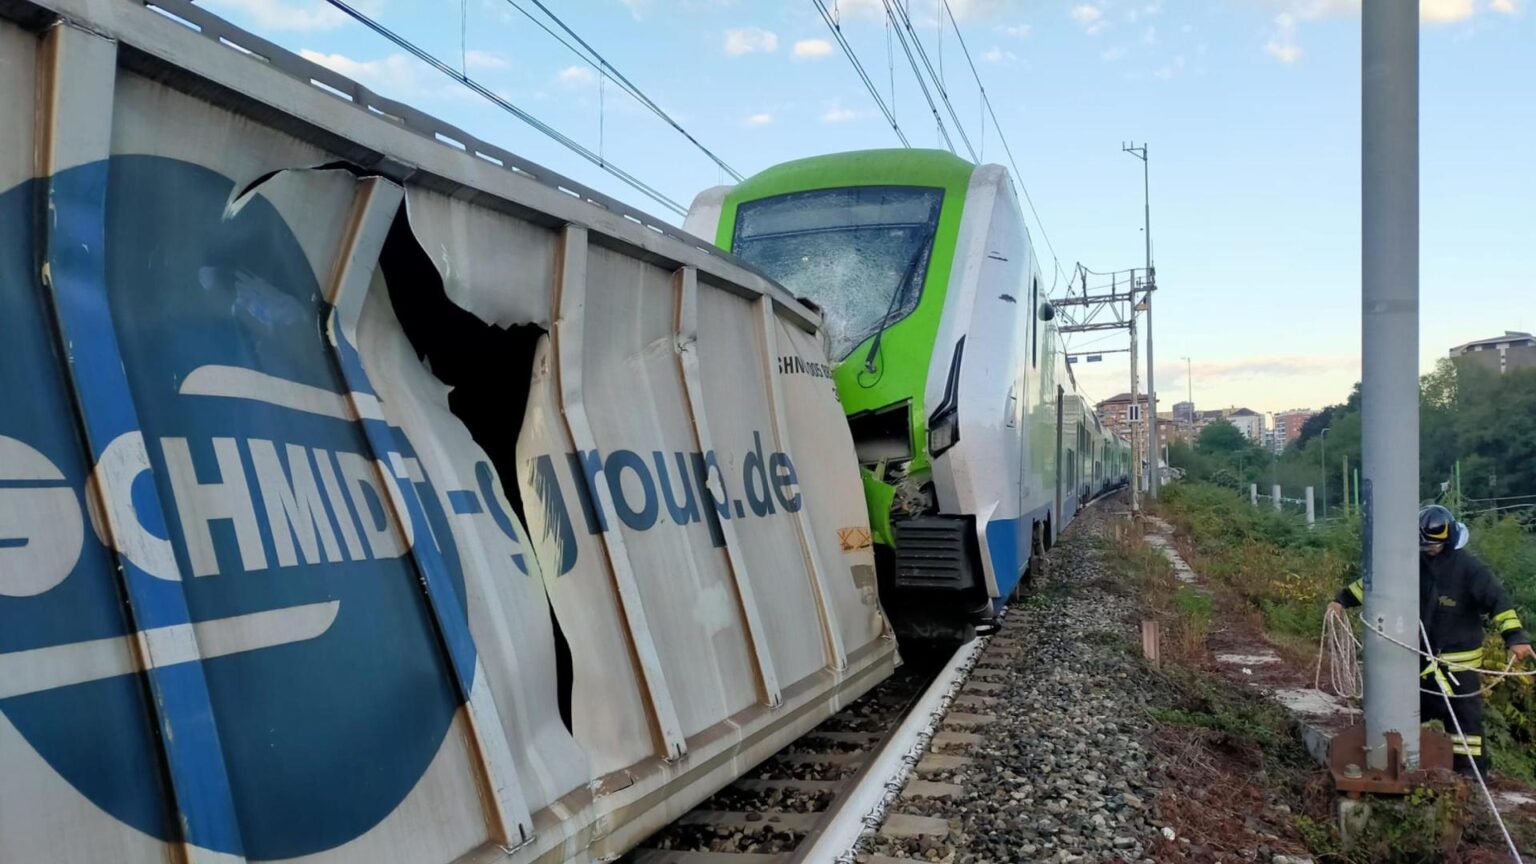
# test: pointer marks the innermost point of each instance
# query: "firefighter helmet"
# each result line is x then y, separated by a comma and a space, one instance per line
1436, 525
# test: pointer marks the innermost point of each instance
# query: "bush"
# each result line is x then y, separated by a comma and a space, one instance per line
1285, 571
1289, 574
1504, 546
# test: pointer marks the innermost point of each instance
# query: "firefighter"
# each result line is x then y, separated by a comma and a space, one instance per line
1456, 591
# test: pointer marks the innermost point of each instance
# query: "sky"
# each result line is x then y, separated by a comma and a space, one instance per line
1250, 110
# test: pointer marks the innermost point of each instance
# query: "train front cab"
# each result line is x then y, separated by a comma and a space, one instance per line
948, 379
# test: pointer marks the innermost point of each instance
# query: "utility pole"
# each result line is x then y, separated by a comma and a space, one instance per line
1135, 401
1150, 285
1389, 305
1322, 467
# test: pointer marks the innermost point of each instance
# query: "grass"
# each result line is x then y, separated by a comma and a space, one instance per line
1235, 741
1288, 574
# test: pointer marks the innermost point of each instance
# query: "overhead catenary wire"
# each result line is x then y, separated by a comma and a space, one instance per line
421, 54
936, 77
1003, 139
605, 67
837, 33
917, 73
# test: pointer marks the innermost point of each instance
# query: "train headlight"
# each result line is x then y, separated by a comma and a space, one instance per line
943, 431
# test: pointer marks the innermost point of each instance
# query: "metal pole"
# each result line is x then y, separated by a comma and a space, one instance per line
1146, 197
1311, 517
1274, 496
1344, 481
1389, 305
1189, 382
1149, 284
1322, 467
1253, 494
1135, 432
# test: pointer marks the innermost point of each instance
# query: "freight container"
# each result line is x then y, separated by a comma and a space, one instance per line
368, 494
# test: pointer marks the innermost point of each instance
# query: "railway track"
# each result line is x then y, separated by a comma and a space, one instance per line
907, 739
810, 802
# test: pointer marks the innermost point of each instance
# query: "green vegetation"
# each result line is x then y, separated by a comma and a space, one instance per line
1468, 416
1239, 716
1285, 571
1414, 829
1289, 574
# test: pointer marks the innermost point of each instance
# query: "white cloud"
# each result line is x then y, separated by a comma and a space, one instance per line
1282, 43
1089, 16
812, 48
1445, 11
1308, 10
747, 40
1017, 31
1110, 55
1149, 36
996, 54
836, 113
391, 75
577, 76
1172, 70
1430, 11
761, 118
966, 10
300, 15
477, 59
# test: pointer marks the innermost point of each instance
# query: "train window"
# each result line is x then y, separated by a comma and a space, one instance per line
1034, 322
860, 253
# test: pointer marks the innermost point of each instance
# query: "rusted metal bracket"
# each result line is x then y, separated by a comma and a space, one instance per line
1347, 762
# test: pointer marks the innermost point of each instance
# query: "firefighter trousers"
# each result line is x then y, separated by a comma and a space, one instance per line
1467, 704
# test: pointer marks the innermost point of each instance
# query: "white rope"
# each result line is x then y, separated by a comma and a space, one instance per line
1476, 771
1506, 672
1338, 644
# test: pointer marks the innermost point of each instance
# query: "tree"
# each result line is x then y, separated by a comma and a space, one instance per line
1221, 437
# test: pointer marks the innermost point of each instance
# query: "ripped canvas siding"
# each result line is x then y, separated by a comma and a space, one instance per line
364, 500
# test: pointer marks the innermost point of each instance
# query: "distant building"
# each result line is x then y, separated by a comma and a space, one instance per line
1184, 412
1115, 413
1170, 427
1288, 426
1248, 422
1116, 410
1513, 350
1206, 418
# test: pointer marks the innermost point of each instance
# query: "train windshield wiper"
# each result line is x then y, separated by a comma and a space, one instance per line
896, 295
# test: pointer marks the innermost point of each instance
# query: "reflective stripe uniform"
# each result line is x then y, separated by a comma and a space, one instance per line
1456, 592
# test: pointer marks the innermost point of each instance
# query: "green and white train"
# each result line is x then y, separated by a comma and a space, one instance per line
975, 447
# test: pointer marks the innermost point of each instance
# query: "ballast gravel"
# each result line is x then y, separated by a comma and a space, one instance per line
1062, 774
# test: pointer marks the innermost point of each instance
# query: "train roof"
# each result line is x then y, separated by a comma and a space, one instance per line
890, 167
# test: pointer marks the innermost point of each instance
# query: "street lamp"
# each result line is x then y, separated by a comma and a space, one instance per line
1189, 383
1322, 468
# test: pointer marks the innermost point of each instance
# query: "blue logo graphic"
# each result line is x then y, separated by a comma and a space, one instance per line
325, 672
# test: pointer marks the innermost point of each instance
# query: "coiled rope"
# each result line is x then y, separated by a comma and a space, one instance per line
1338, 644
